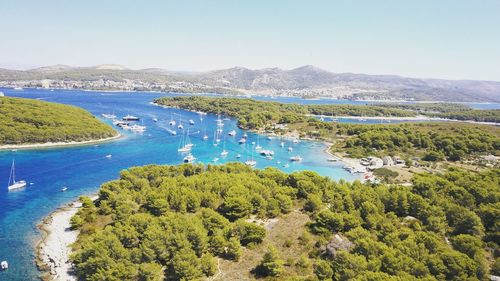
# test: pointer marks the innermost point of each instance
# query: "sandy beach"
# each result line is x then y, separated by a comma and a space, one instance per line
56, 144
53, 250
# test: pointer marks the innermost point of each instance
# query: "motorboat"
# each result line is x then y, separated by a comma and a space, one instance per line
155, 120
180, 127
215, 159
282, 144
13, 184
238, 156
129, 117
108, 156
4, 265
242, 141
108, 116
64, 189
232, 133
290, 148
245, 135
205, 137
267, 152
191, 122
224, 153
172, 123
296, 158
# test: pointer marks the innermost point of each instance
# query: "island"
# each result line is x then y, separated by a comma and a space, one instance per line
28, 123
232, 222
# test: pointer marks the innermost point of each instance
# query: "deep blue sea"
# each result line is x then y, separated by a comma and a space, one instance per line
84, 168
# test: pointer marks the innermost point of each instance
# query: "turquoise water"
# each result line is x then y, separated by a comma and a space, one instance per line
82, 169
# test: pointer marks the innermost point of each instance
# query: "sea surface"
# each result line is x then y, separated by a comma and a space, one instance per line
84, 168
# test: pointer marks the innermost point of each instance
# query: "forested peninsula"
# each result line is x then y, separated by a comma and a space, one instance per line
28, 121
190, 222
432, 141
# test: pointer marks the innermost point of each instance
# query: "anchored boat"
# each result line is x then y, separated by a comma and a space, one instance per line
13, 184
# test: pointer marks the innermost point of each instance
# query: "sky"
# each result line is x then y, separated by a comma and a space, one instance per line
450, 39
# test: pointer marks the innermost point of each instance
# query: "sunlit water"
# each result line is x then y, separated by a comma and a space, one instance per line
84, 168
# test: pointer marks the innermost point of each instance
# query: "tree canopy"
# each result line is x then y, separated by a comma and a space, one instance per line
26, 121
175, 221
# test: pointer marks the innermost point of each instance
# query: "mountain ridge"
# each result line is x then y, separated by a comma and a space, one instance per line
304, 81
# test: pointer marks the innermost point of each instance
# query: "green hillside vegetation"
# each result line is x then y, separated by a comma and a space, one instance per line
492, 115
427, 107
252, 114
188, 222
27, 121
432, 141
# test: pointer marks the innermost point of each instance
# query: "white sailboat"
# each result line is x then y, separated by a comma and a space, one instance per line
183, 146
13, 184
224, 152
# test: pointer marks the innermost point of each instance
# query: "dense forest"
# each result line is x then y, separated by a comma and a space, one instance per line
448, 110
252, 114
26, 121
188, 222
433, 141
492, 115
426, 107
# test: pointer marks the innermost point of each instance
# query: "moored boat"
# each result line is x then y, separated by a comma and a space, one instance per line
129, 117
13, 184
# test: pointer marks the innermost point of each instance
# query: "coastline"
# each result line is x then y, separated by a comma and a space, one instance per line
57, 144
53, 250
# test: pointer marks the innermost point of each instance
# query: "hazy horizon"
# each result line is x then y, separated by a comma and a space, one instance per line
447, 39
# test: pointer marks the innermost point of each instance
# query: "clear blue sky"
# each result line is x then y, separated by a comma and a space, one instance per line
454, 39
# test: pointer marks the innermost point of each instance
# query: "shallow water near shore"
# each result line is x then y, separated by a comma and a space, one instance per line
84, 168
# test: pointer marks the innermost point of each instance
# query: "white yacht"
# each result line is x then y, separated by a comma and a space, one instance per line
191, 122
155, 120
242, 141
4, 265
189, 158
137, 128
129, 117
108, 116
232, 133
267, 152
224, 153
64, 189
13, 184
296, 158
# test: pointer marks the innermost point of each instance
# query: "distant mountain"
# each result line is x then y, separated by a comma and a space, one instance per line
306, 81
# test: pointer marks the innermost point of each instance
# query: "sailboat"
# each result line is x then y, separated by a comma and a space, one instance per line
258, 147
183, 147
251, 162
224, 151
13, 184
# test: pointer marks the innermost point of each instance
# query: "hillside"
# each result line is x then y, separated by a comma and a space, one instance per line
27, 121
233, 222
306, 81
